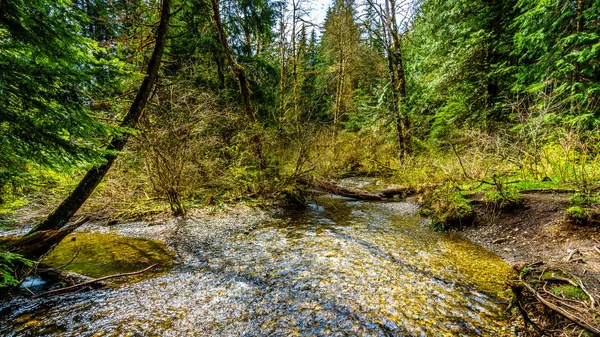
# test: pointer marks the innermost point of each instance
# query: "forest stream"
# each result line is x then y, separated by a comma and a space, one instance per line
338, 268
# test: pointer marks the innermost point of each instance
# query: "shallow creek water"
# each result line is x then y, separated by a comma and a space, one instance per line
339, 268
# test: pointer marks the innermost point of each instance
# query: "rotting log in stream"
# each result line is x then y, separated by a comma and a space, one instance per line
388, 193
332, 188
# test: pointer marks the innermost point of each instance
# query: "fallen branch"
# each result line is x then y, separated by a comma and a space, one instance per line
83, 284
37, 244
568, 259
499, 241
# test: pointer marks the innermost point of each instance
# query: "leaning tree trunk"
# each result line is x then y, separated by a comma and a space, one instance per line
61, 215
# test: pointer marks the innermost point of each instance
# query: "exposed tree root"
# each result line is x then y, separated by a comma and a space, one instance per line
541, 284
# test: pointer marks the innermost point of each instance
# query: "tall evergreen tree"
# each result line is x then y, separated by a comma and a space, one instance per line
340, 41
51, 73
557, 44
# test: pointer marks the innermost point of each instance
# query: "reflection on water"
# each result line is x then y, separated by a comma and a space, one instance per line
340, 268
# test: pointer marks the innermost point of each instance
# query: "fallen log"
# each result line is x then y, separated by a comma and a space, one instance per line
332, 188
87, 283
35, 245
406, 191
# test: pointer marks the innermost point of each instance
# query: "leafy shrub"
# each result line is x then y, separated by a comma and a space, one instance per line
577, 215
8, 262
579, 199
448, 208
507, 199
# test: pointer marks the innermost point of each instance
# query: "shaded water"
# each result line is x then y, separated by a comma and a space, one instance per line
340, 268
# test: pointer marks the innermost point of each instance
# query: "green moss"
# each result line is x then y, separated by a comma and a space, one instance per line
97, 255
448, 208
577, 215
569, 291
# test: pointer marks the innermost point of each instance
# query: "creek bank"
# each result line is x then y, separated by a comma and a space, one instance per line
537, 239
538, 232
338, 267
96, 250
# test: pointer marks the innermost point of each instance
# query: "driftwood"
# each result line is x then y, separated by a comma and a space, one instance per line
332, 188
87, 283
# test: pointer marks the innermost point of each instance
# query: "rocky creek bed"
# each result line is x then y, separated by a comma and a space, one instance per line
341, 267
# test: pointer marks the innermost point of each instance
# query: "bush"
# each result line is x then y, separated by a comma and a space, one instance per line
8, 262
577, 215
507, 199
448, 208
579, 199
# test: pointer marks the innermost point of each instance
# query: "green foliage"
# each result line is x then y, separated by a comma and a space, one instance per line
577, 215
578, 199
50, 76
8, 262
448, 208
457, 64
557, 46
569, 291
507, 198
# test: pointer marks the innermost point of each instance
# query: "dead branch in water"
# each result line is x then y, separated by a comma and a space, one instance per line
83, 284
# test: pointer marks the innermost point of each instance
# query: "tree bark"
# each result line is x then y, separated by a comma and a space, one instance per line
35, 245
86, 186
